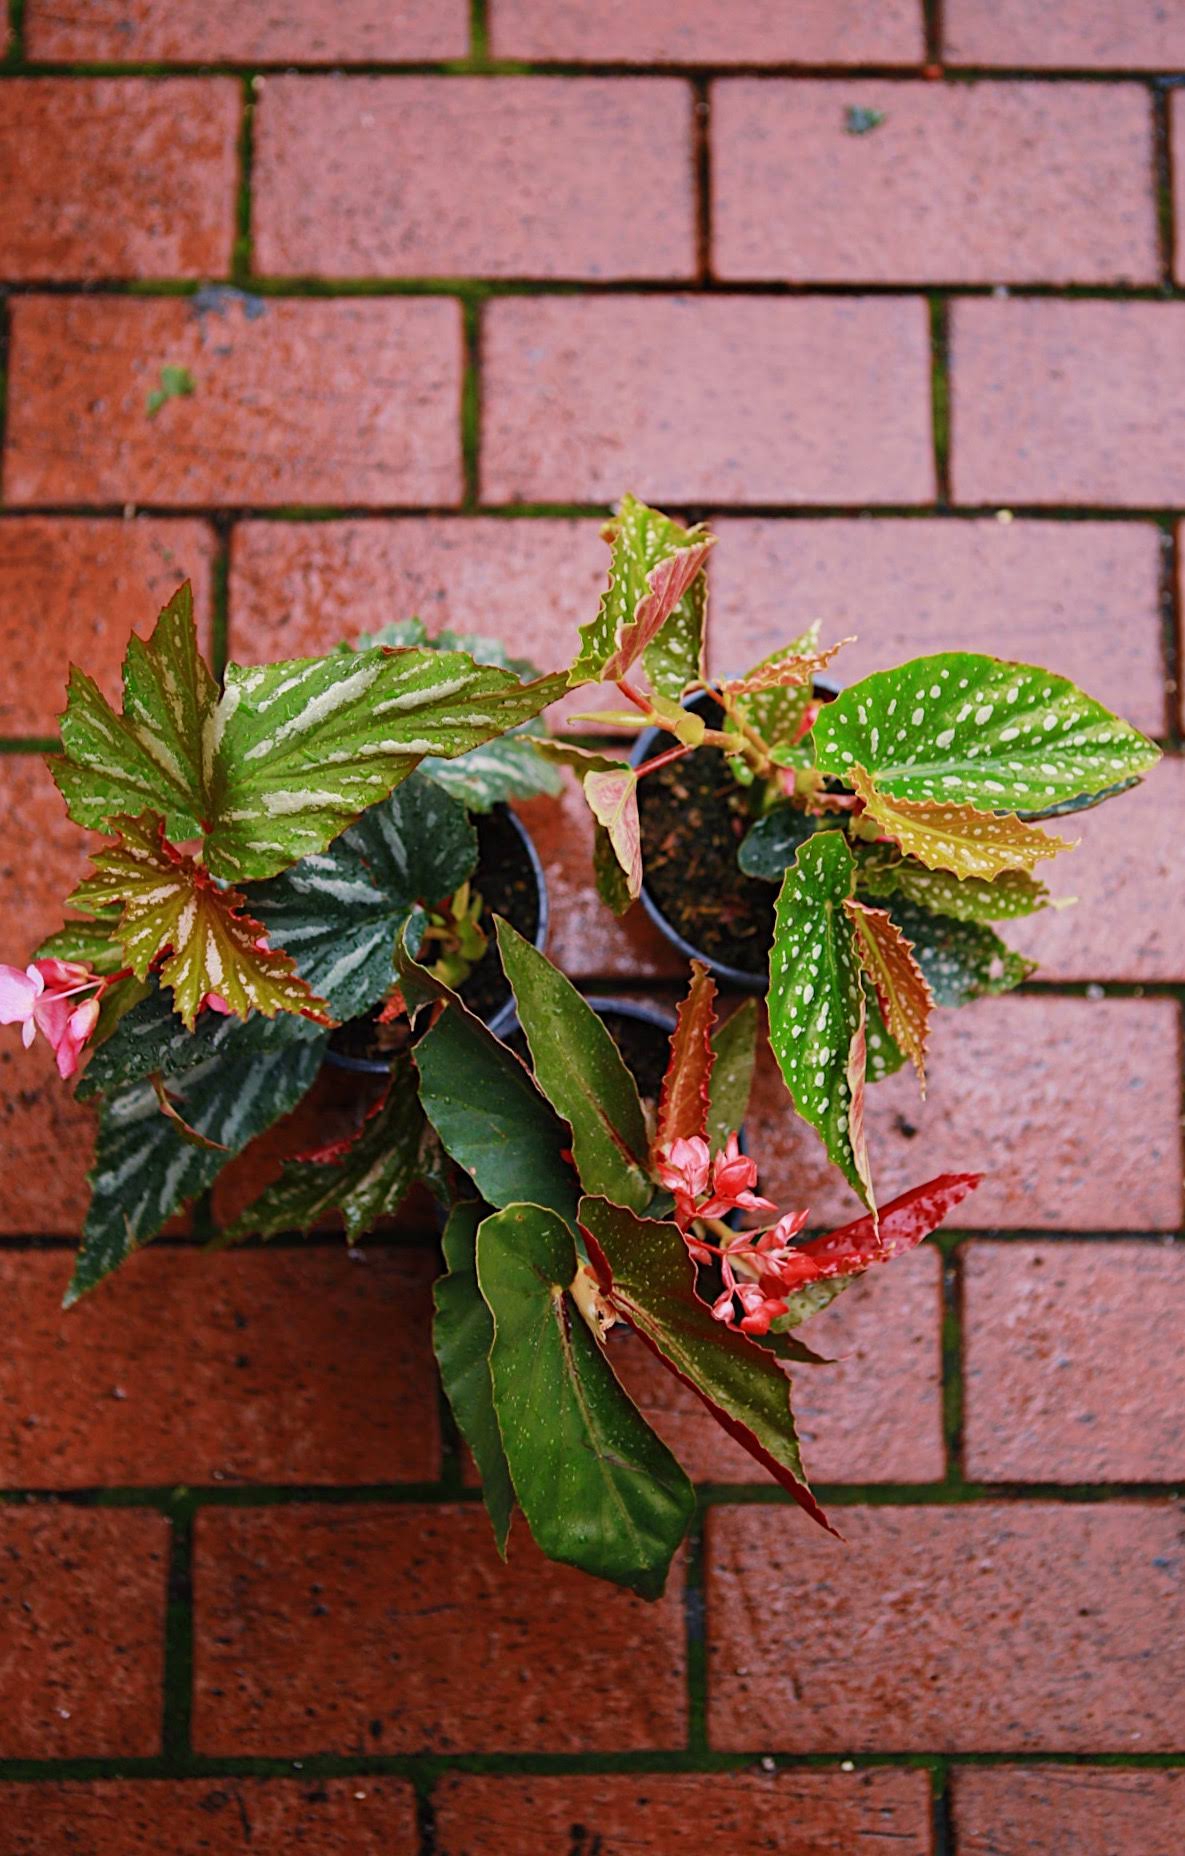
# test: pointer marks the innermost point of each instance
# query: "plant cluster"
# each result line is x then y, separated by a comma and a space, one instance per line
294, 847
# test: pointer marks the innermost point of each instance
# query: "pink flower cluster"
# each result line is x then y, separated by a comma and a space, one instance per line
759, 1268
39, 999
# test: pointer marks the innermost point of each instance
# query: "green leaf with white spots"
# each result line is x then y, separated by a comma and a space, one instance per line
580, 1070
145, 1169
882, 871
362, 1180
462, 1335
339, 913
977, 731
816, 1004
153, 756
653, 606
961, 961
598, 1489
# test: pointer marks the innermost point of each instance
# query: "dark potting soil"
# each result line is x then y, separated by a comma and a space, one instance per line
505, 881
693, 815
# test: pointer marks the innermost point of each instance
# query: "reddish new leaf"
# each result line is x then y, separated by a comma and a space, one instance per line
684, 1101
644, 1271
903, 1223
669, 582
785, 670
902, 993
613, 801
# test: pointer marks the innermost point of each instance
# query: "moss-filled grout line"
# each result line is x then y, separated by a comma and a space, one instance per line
701, 177
15, 55
953, 1401
940, 397
479, 34
1172, 632
242, 256
220, 596
470, 407
1162, 182
423, 1770
695, 1627
932, 28
179, 1634
330, 288
310, 513
942, 1827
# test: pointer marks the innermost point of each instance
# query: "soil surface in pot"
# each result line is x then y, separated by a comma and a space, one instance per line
693, 815
505, 881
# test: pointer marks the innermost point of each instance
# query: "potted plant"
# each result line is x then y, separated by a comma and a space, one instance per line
294, 851
846, 857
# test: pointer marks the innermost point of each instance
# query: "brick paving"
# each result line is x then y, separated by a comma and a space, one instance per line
447, 279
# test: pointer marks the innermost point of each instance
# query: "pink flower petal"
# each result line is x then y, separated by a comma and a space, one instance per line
18, 995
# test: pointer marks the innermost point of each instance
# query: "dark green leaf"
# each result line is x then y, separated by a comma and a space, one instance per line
580, 1070
339, 913
152, 1041
463, 1333
145, 1169
735, 1045
490, 1116
960, 960
598, 1488
770, 846
647, 1275
972, 730
366, 1181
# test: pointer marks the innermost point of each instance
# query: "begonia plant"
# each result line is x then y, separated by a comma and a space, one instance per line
294, 856
855, 850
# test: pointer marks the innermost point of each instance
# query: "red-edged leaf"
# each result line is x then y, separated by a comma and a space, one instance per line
904, 1222
902, 993
669, 582
613, 800
171, 905
684, 1101
645, 1272
785, 670
958, 838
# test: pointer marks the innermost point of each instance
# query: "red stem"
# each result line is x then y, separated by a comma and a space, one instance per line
662, 760
632, 695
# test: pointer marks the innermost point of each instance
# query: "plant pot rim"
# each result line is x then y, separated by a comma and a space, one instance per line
505, 1016
756, 983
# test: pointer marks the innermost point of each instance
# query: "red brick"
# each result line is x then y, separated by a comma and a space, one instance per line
224, 31
118, 177
696, 32
1068, 1811
1073, 1365
45, 1136
1081, 597
962, 183
1069, 1106
265, 1366
72, 590
736, 400
584, 938
1177, 137
1068, 402
82, 1611
260, 1817
300, 588
1128, 875
398, 1630
980, 1628
874, 1416
525, 177
294, 401
1080, 35
882, 1813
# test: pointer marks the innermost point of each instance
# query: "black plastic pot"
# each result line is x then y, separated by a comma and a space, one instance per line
648, 744
504, 1018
